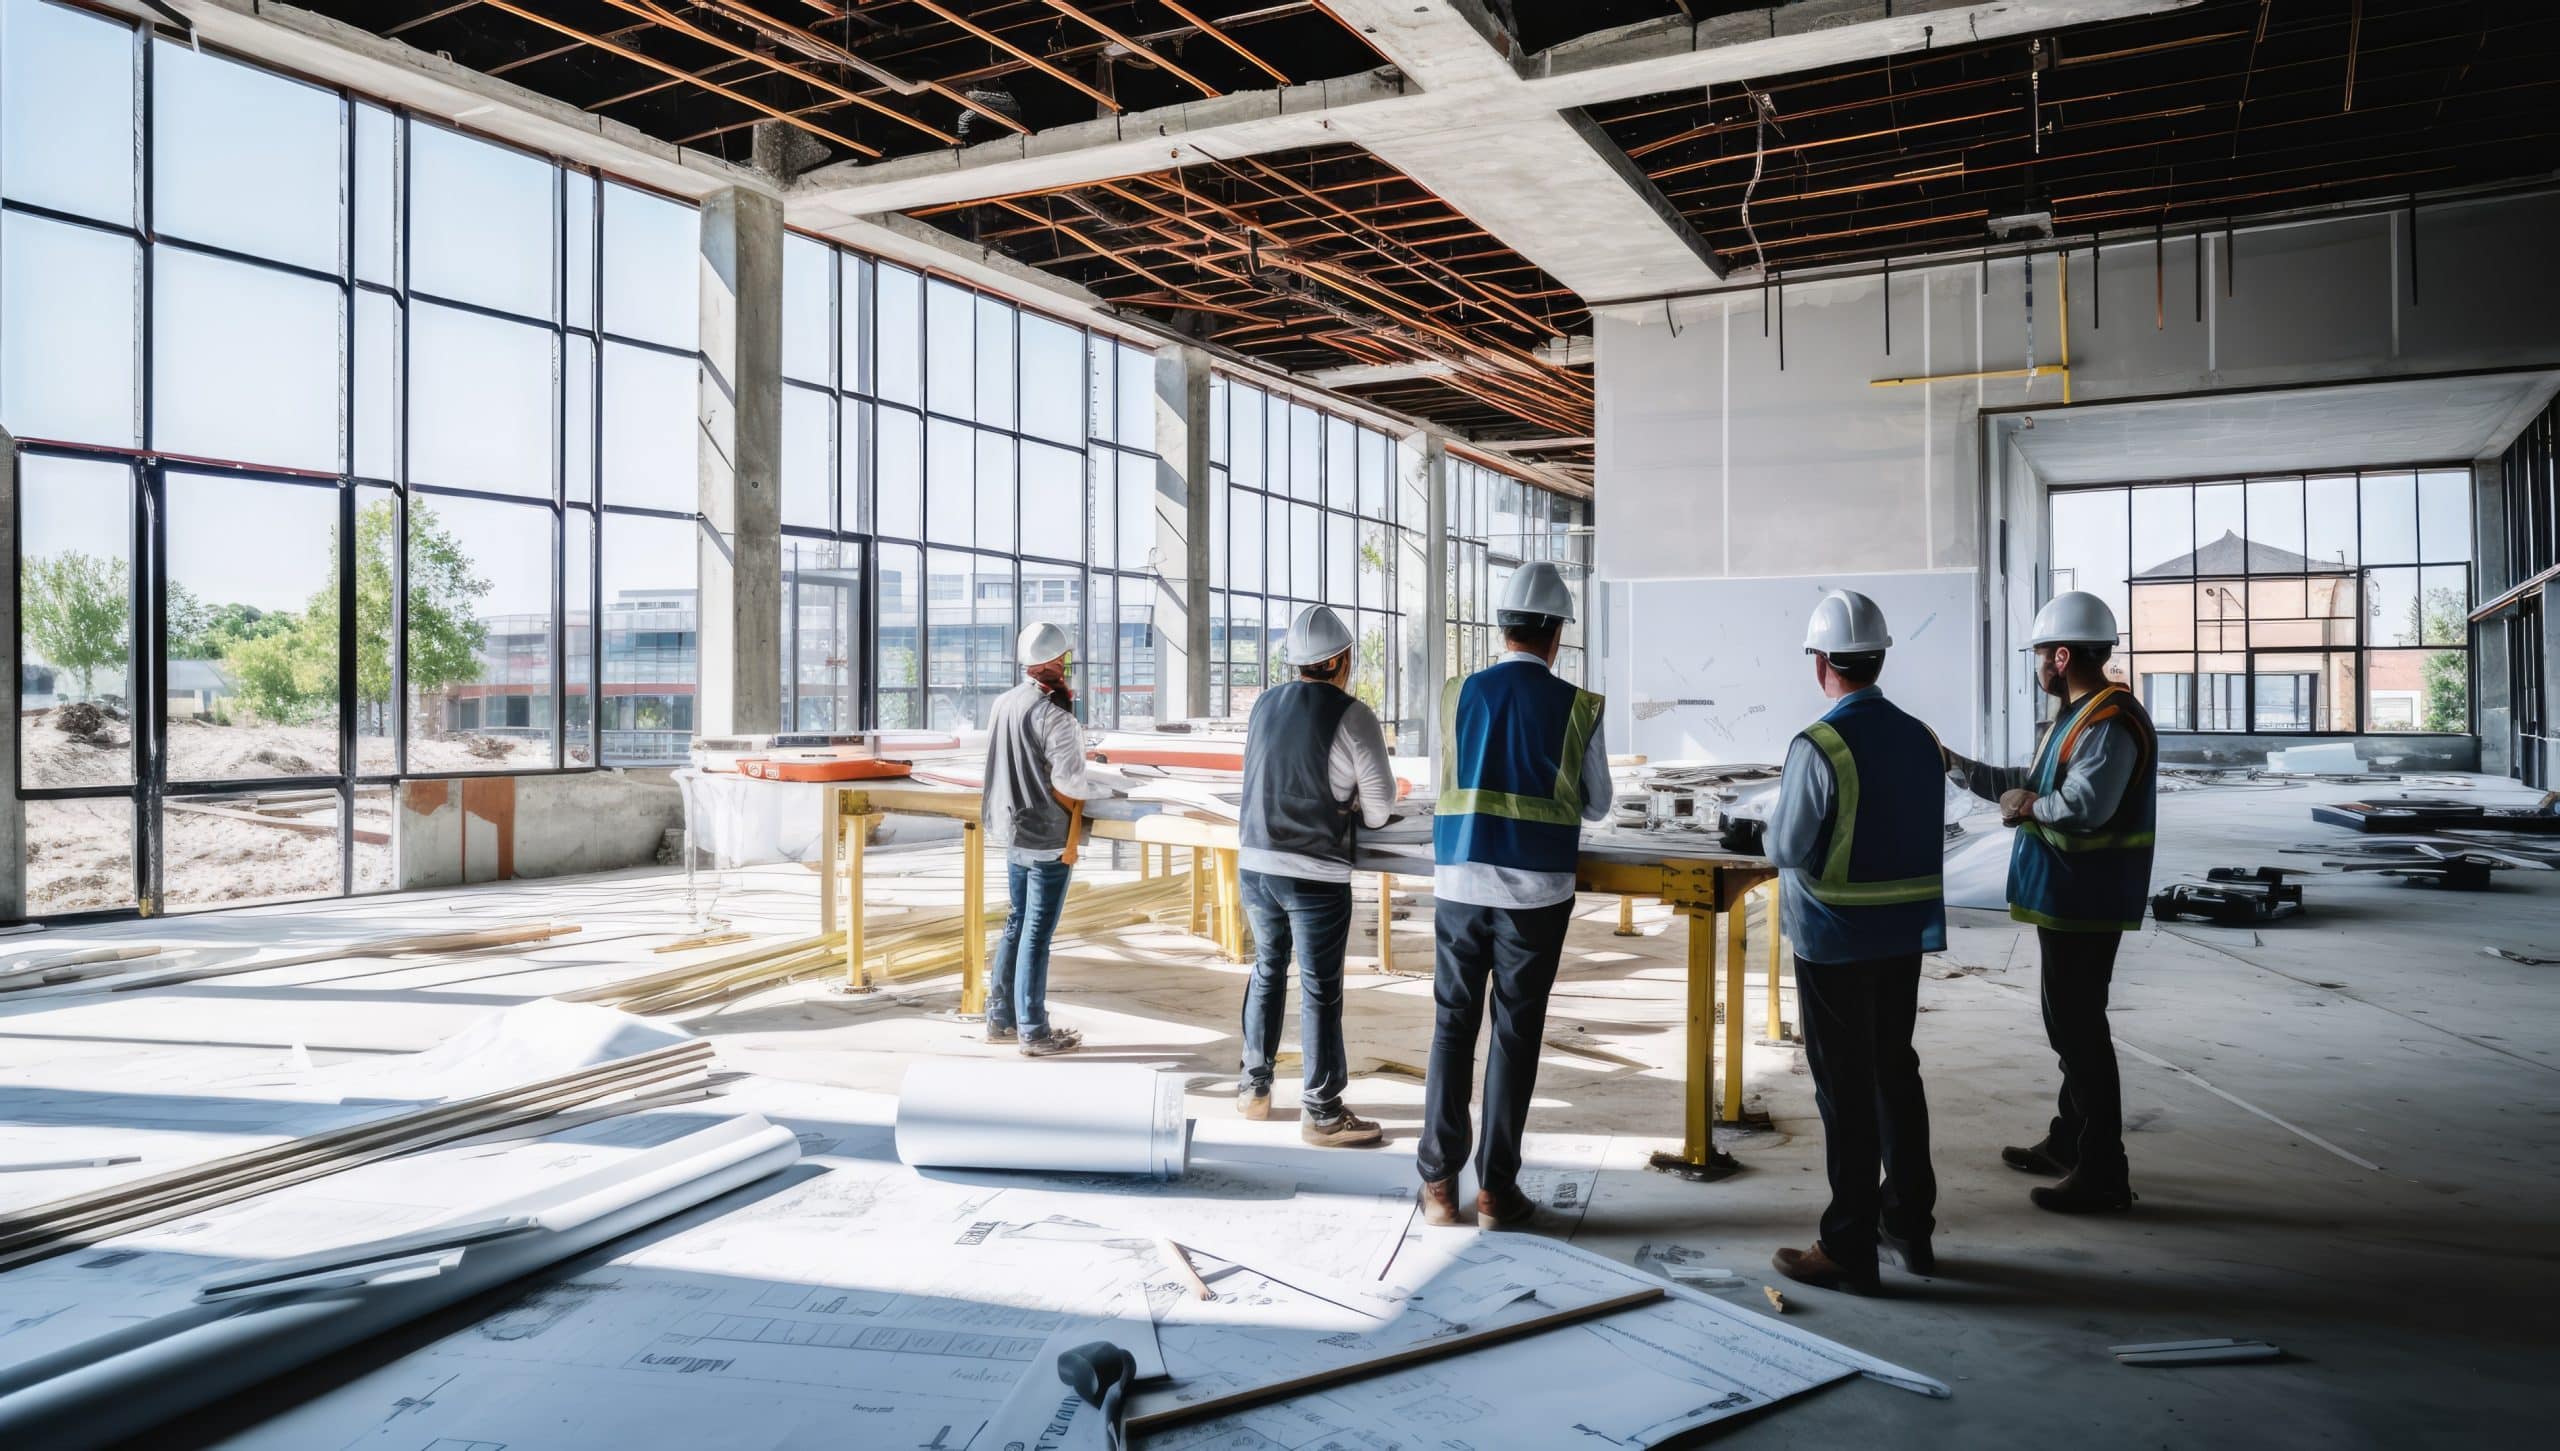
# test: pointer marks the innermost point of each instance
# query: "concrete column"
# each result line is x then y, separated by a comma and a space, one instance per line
1181, 573
1423, 468
740, 550
13, 813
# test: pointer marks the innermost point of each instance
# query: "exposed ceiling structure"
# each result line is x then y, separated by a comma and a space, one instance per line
2228, 108
1318, 260
862, 79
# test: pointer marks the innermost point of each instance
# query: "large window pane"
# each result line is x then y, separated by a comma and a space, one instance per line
578, 218
645, 714
376, 408
2417, 690
376, 200
233, 850
1101, 418
1218, 389
1137, 698
1340, 560
2302, 692
2164, 614
480, 402
482, 222
897, 370
1102, 508
1244, 424
1218, 504
969, 638
900, 645
2329, 519
650, 457
995, 363
75, 622
821, 635
950, 482
245, 159
950, 352
807, 470
650, 250
79, 856
66, 110
252, 616
577, 636
853, 304
1306, 559
1244, 652
2390, 518
578, 419
480, 635
1052, 379
377, 580
898, 482
1137, 510
808, 316
2394, 613
2166, 686
1376, 455
2275, 526
853, 454
1137, 397
2444, 604
1052, 501
1244, 540
69, 361
2444, 516
997, 512
2090, 547
244, 362
1098, 666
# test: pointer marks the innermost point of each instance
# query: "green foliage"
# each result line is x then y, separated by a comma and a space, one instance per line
74, 609
2447, 702
1369, 671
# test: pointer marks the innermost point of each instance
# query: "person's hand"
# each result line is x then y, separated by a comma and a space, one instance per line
2016, 806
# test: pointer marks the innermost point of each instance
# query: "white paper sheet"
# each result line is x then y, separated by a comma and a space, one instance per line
1077, 1118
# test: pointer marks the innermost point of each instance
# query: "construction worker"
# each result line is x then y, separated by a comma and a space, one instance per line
1314, 762
1857, 838
2079, 870
1521, 767
1033, 805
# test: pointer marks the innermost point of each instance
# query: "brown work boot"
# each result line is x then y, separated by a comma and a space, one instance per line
1051, 1043
1816, 1267
1505, 1208
1439, 1200
1255, 1106
1342, 1131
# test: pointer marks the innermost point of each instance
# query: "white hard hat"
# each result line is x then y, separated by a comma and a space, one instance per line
1042, 643
2074, 617
1535, 589
1317, 635
1846, 623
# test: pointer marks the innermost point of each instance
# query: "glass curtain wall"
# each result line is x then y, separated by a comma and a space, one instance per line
1496, 524
983, 467
2311, 603
1303, 510
311, 476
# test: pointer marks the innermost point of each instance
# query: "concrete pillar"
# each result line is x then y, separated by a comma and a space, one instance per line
1423, 468
13, 813
740, 551
1181, 575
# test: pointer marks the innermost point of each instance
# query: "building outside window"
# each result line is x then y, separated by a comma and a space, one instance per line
2323, 603
1496, 524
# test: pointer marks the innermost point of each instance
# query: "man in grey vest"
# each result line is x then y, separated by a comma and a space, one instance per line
1033, 805
1314, 760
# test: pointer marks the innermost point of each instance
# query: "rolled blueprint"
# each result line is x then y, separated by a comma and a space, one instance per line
1075, 1118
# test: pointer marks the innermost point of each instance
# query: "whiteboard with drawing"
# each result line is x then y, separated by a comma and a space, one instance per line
1714, 669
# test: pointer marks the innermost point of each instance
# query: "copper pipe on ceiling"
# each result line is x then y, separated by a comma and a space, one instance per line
664, 68
1132, 45
657, 14
1229, 41
1009, 48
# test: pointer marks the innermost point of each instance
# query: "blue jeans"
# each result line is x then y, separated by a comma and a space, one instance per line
1018, 980
1317, 916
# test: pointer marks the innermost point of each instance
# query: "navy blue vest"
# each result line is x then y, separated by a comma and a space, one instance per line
2097, 880
1512, 741
1288, 774
1873, 889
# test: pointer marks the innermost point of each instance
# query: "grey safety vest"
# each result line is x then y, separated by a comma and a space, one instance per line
1289, 804
1016, 805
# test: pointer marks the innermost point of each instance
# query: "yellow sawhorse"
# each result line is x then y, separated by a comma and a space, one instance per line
1699, 889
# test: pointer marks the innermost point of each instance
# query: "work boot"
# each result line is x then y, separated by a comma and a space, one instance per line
1505, 1208
2076, 1195
1002, 1035
2036, 1158
1052, 1043
1255, 1106
1439, 1201
1816, 1267
1914, 1252
1342, 1131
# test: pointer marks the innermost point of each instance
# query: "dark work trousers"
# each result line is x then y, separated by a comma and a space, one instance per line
1866, 1081
2087, 1133
1316, 918
1506, 956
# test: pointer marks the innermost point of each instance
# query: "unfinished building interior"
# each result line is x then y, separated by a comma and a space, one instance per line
548, 901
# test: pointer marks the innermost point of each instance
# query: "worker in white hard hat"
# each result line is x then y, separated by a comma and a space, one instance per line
1521, 766
1315, 763
1033, 805
1857, 839
2080, 871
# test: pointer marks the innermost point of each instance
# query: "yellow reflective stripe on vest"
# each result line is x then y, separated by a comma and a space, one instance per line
1563, 808
1832, 885
2061, 840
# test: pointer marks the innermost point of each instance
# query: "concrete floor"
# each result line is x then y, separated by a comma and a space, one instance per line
2341, 1126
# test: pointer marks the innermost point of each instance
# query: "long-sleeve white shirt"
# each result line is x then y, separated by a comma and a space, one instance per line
1481, 885
1357, 763
1062, 750
2093, 781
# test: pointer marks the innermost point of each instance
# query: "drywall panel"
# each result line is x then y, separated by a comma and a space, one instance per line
1715, 670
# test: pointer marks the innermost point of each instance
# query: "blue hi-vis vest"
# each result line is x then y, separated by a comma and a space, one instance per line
1512, 739
1874, 890
2097, 880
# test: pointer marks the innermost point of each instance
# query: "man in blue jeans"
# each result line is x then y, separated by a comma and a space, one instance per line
1314, 761
1032, 805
